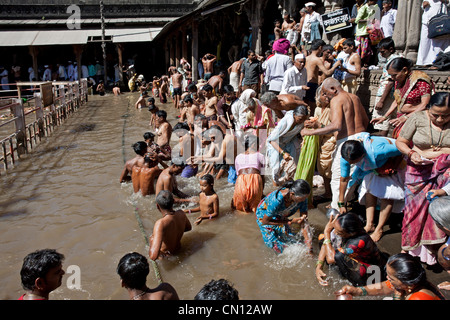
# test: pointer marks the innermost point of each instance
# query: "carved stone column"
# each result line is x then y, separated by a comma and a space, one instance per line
407, 28
255, 14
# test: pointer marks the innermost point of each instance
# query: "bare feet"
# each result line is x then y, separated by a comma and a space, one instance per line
369, 228
444, 285
377, 235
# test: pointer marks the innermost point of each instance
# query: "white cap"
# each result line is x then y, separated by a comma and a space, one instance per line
299, 56
46, 66
310, 4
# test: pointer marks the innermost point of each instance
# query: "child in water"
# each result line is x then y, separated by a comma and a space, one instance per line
209, 200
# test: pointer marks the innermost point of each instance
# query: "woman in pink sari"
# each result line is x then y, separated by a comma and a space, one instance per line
259, 118
428, 169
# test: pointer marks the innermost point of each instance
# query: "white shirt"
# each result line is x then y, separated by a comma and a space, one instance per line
62, 72
84, 71
276, 67
47, 75
31, 74
388, 22
239, 110
293, 81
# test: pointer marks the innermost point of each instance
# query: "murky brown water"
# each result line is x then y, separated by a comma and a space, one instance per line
66, 196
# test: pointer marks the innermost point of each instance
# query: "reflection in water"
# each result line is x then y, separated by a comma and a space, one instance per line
66, 195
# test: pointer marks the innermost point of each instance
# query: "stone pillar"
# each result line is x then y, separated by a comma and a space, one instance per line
194, 61
172, 52
78, 50
34, 53
177, 49
407, 28
120, 48
255, 14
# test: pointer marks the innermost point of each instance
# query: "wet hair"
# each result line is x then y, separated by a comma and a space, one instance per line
207, 87
133, 269
178, 161
165, 199
386, 43
249, 141
192, 88
151, 100
439, 99
217, 290
37, 264
317, 43
399, 63
181, 126
152, 107
140, 147
228, 88
149, 135
408, 269
188, 98
328, 47
209, 179
161, 114
349, 42
352, 150
299, 187
351, 223
439, 211
267, 97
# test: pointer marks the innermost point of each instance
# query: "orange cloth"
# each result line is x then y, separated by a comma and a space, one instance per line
248, 192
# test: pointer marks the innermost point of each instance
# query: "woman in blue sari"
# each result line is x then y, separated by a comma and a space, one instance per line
273, 212
379, 172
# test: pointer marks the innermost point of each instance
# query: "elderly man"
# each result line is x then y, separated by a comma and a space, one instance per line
294, 80
348, 120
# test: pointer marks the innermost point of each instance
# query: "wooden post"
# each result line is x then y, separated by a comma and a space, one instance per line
39, 114
194, 63
21, 137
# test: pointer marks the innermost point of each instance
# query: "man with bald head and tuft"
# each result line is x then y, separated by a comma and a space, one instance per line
348, 120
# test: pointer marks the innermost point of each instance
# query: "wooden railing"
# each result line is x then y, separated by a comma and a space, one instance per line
51, 106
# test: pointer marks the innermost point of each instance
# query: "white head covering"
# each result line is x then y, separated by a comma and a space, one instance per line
299, 56
310, 4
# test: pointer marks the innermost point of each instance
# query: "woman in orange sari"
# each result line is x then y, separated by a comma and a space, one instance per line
407, 280
249, 186
413, 90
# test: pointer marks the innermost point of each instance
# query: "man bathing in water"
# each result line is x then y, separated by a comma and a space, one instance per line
177, 83
167, 180
140, 148
164, 133
168, 231
208, 65
144, 177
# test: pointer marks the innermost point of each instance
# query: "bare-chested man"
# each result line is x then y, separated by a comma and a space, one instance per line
168, 231
177, 83
348, 119
189, 111
163, 133
234, 72
210, 102
281, 102
140, 148
208, 65
144, 177
217, 82
351, 66
167, 180
313, 65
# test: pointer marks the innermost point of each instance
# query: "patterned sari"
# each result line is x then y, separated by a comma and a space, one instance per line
418, 227
417, 85
274, 236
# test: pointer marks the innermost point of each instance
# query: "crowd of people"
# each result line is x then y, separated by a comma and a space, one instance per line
287, 117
